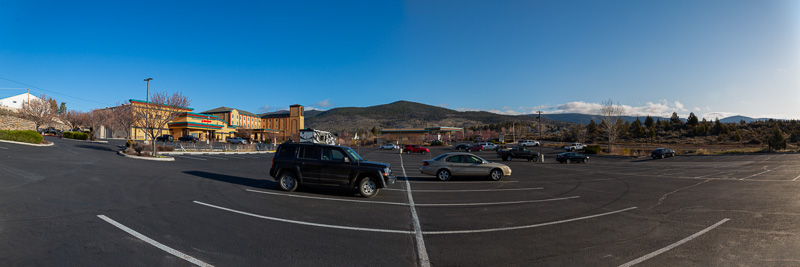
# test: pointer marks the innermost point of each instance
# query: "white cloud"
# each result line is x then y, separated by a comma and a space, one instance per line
313, 108
263, 109
444, 105
505, 111
782, 71
469, 109
697, 109
679, 106
711, 116
324, 103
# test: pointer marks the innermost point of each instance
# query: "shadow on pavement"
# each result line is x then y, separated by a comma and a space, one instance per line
235, 179
101, 148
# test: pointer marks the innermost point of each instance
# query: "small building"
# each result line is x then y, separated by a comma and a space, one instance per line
15, 102
416, 135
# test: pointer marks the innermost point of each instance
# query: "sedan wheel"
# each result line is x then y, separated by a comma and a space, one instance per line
443, 174
496, 174
424, 152
585, 160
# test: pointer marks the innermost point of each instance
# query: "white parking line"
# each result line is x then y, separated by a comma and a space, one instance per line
462, 182
3, 147
308, 223
497, 203
471, 190
760, 173
416, 204
673, 245
422, 252
524, 226
154, 243
795, 179
207, 156
326, 198
187, 157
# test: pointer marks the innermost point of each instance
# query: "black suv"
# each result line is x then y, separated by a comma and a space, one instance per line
311, 163
165, 138
188, 138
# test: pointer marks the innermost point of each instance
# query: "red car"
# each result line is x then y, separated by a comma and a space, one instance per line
415, 149
474, 148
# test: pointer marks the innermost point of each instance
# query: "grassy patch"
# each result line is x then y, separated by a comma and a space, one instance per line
28, 136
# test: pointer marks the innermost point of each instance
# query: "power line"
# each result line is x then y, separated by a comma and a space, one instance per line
39, 88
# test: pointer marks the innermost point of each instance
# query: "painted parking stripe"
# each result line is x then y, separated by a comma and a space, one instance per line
308, 223
326, 198
524, 226
497, 203
462, 182
154, 243
471, 190
760, 173
673, 245
3, 147
213, 157
422, 252
187, 157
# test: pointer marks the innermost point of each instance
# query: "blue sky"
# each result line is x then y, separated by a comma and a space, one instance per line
713, 58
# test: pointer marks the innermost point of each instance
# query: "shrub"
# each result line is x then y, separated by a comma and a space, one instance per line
593, 149
27, 136
75, 135
131, 151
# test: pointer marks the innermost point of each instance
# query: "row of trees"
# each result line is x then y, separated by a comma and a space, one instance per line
151, 118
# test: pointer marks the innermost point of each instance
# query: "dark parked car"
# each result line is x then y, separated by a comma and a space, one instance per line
310, 163
188, 138
662, 153
165, 138
474, 148
519, 153
236, 140
570, 157
461, 146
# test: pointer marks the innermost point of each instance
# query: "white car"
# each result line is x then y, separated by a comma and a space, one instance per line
489, 146
388, 146
575, 147
528, 143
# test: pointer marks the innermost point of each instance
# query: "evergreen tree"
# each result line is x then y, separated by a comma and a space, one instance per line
592, 130
62, 108
717, 127
692, 120
737, 136
648, 121
675, 119
776, 140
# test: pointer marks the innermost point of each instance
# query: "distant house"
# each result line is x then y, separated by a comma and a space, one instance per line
15, 102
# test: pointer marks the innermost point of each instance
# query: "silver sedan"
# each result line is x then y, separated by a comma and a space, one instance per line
463, 164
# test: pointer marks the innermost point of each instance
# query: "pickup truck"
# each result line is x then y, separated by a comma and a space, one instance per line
518, 152
575, 147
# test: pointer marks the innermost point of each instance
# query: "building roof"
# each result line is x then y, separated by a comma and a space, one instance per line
17, 100
276, 114
227, 109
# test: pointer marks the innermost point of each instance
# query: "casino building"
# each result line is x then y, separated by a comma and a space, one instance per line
223, 122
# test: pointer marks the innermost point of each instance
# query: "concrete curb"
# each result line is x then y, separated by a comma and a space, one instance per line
214, 153
27, 144
144, 158
87, 141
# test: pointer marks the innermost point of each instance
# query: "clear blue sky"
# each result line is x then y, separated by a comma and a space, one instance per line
709, 57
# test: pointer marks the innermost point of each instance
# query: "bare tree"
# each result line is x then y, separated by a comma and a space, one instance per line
95, 119
38, 110
610, 113
122, 118
580, 133
153, 116
72, 118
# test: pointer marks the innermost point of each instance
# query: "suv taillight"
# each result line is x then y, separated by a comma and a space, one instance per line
273, 163
425, 163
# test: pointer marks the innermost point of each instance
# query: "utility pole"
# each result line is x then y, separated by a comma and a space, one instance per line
147, 104
541, 159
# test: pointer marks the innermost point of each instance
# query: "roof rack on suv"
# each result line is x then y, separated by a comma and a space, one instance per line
309, 135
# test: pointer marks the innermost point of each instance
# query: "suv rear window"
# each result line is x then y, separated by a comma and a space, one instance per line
286, 151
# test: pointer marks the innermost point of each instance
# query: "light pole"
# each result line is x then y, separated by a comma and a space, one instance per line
147, 98
147, 104
540, 137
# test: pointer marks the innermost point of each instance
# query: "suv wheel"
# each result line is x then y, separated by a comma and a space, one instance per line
496, 174
367, 187
288, 181
443, 174
507, 158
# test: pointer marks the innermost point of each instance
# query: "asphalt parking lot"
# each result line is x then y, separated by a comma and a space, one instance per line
78, 203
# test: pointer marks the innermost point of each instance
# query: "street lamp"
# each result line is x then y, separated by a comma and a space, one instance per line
541, 142
147, 98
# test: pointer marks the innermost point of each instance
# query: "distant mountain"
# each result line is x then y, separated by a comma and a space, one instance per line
312, 113
737, 119
579, 118
404, 114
